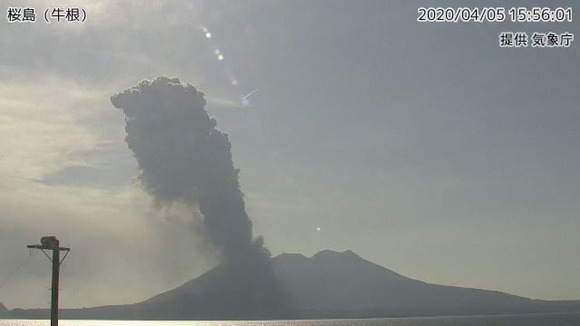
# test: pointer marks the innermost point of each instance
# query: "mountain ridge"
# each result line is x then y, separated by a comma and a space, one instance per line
3, 310
329, 284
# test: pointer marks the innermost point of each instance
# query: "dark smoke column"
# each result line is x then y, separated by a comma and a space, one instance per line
184, 158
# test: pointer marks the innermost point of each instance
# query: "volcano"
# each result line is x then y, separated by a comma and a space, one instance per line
327, 285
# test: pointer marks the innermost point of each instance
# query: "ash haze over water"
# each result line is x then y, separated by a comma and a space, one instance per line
424, 148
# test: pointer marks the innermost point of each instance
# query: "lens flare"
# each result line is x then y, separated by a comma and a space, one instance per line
225, 68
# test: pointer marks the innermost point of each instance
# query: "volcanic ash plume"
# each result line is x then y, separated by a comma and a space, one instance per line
183, 158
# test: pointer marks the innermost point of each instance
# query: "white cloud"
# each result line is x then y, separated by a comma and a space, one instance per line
119, 239
39, 126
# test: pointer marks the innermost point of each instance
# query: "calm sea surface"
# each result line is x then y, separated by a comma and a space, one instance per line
513, 320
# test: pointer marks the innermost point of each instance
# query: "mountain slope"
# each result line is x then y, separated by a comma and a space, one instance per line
332, 284
328, 285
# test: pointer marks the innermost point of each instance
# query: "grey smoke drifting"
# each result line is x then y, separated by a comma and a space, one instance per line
184, 158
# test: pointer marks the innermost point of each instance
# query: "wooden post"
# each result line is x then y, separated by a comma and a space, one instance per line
55, 281
51, 243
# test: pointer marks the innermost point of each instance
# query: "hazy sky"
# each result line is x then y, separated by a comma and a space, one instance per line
423, 147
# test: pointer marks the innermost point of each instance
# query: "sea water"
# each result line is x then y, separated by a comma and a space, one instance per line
572, 319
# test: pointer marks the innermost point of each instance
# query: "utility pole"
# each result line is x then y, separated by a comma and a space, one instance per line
51, 243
